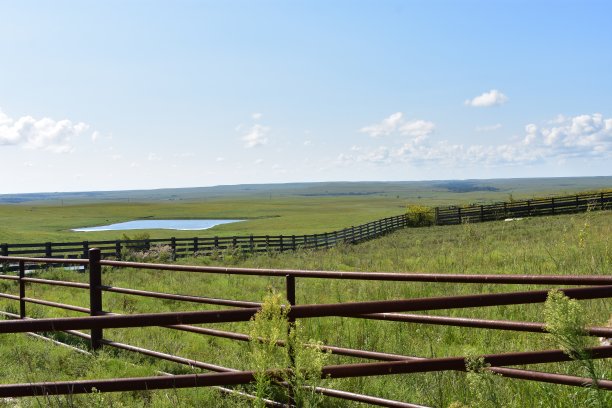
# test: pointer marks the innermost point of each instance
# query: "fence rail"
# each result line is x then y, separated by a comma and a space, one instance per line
182, 247
525, 208
390, 310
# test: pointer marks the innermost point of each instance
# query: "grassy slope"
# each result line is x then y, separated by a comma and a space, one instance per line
577, 244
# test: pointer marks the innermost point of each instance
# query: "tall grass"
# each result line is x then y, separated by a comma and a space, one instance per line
546, 245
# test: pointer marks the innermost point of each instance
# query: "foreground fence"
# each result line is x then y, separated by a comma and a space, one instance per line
526, 208
599, 287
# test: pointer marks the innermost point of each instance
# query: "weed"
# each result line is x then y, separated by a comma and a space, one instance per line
565, 321
269, 329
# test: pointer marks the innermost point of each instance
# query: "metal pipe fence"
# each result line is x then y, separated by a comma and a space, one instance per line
387, 363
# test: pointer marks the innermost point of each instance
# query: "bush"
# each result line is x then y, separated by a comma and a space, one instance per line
420, 216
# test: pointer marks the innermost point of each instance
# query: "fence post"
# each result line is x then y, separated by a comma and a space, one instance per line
48, 251
602, 200
195, 244
282, 248
95, 294
5, 250
577, 203
173, 246
459, 214
251, 244
293, 242
118, 250
85, 249
290, 282
529, 208
267, 243
22, 303
216, 242
552, 200
481, 213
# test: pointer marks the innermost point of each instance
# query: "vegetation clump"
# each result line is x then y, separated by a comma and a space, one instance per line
420, 216
566, 322
280, 355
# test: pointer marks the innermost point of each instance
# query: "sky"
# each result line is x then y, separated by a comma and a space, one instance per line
114, 95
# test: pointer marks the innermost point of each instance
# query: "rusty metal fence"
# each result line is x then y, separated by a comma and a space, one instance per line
598, 287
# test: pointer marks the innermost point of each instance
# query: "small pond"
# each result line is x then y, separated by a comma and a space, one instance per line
181, 225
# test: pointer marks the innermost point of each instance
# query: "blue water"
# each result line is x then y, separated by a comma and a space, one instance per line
182, 225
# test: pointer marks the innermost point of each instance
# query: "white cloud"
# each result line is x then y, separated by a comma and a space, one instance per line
258, 162
384, 128
489, 128
219, 159
491, 98
95, 136
583, 136
307, 142
256, 116
44, 134
395, 123
153, 157
256, 135
419, 129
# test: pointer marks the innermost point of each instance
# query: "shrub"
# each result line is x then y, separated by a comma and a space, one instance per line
420, 216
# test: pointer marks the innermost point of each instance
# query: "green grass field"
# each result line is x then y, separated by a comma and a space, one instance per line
577, 245
269, 209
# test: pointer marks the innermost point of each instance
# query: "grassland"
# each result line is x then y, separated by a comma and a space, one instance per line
268, 209
578, 244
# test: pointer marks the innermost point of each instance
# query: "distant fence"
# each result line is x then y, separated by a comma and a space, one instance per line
526, 208
182, 247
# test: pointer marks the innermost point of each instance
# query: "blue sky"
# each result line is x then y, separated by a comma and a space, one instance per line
141, 94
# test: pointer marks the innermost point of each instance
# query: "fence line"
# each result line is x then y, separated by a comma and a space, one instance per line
524, 208
183, 247
383, 310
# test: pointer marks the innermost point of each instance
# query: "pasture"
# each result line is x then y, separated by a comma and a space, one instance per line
562, 245
286, 209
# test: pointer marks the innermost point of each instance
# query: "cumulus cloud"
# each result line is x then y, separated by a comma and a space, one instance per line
44, 134
418, 129
384, 128
491, 98
256, 116
395, 123
583, 136
256, 135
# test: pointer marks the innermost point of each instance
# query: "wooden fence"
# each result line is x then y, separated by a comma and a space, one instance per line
527, 208
182, 247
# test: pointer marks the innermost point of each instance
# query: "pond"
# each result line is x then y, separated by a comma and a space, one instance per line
181, 225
